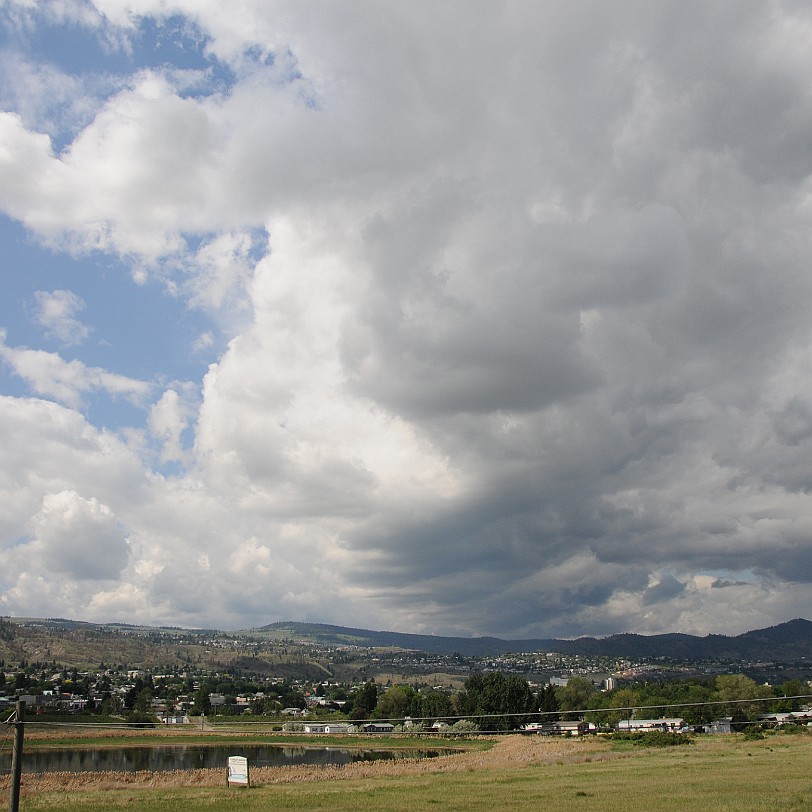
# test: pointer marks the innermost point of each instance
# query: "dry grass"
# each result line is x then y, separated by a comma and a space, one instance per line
520, 773
510, 751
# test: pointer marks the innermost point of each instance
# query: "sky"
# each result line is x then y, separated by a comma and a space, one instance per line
475, 317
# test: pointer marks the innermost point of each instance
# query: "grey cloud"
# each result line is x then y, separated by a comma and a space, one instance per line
792, 563
794, 423
724, 583
667, 588
560, 255
427, 344
184, 588
79, 538
622, 258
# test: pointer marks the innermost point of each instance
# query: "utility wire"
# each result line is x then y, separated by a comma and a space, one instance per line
402, 719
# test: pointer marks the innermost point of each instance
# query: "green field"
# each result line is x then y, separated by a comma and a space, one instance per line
714, 773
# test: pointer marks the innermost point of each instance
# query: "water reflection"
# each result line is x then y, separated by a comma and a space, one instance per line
158, 759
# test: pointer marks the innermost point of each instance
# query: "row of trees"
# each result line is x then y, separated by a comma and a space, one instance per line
498, 701
503, 702
696, 702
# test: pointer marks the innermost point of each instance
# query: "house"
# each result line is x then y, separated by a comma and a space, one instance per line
575, 728
174, 719
718, 726
643, 725
799, 717
326, 727
72, 702
378, 727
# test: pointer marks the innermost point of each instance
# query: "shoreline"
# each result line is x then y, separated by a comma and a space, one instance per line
508, 751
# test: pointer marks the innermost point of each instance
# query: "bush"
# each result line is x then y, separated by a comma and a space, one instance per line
653, 738
140, 719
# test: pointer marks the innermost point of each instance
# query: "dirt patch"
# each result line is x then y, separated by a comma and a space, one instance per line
509, 751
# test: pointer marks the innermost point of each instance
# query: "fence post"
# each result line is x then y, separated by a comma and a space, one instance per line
17, 757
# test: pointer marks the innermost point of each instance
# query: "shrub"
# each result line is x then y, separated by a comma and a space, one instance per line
653, 738
141, 719
465, 726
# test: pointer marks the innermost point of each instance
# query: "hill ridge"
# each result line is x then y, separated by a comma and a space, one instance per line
787, 641
783, 643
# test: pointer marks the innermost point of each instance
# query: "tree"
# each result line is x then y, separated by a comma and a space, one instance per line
575, 695
736, 689
624, 699
793, 687
435, 705
366, 698
548, 703
398, 702
143, 701
504, 700
133, 693
202, 704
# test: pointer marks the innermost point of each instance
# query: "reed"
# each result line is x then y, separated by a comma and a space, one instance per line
519, 773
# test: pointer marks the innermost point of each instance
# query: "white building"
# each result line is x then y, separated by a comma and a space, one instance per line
327, 727
637, 725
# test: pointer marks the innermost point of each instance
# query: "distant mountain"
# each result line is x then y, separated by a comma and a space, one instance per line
328, 635
787, 642
80, 643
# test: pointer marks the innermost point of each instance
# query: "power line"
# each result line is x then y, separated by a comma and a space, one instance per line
475, 716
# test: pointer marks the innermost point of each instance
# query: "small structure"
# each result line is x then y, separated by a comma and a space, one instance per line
237, 772
378, 727
720, 726
576, 727
175, 719
643, 725
799, 717
326, 727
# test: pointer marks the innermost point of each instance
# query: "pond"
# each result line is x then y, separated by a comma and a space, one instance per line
191, 757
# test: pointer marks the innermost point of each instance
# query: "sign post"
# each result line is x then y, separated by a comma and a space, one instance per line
237, 773
17, 757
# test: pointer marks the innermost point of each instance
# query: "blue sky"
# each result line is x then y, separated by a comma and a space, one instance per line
140, 330
478, 319
135, 330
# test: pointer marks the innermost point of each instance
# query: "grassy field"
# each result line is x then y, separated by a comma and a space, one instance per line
519, 773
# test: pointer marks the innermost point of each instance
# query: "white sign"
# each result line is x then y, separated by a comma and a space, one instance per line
237, 771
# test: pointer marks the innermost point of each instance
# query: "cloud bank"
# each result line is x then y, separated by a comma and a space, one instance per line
511, 307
